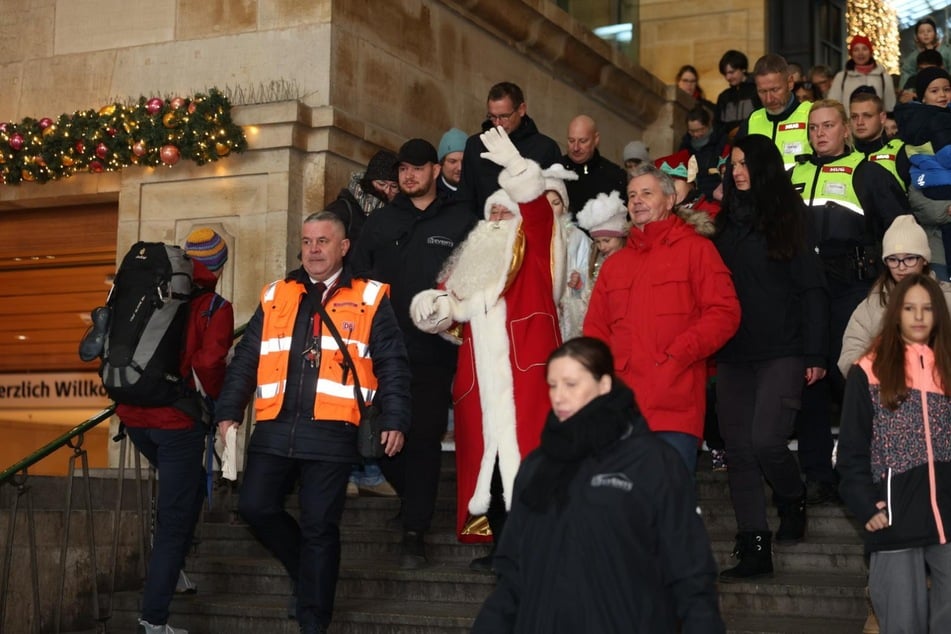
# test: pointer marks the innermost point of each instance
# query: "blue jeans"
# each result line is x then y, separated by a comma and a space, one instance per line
176, 453
685, 444
367, 475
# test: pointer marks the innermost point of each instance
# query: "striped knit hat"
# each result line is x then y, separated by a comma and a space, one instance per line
207, 247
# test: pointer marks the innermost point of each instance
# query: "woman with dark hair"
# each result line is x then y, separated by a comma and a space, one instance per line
603, 534
780, 346
688, 80
894, 455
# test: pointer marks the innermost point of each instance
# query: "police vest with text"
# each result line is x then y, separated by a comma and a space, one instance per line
886, 157
839, 228
352, 309
790, 135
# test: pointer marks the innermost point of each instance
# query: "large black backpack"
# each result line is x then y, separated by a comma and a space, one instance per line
144, 325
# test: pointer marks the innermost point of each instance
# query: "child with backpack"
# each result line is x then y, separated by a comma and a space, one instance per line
894, 458
172, 436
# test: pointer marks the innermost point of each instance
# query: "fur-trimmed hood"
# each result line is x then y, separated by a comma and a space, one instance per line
699, 220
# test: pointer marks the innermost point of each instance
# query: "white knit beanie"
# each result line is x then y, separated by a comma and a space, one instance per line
605, 216
906, 236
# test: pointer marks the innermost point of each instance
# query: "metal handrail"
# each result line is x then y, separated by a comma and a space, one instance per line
57, 443
18, 476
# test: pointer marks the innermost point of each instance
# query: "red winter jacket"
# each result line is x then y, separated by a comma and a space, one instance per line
665, 303
207, 342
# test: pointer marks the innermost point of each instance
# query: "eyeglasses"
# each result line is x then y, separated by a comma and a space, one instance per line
496, 118
386, 185
908, 261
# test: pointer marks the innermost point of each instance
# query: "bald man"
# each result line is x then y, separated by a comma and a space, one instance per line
595, 173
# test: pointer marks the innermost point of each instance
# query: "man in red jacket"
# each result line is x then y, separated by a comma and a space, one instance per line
664, 304
173, 440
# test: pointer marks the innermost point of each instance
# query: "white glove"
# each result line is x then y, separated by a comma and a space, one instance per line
431, 311
501, 151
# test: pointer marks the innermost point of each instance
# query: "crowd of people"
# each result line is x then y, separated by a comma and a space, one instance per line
592, 325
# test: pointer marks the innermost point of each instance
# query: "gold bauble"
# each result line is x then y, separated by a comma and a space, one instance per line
27, 175
169, 120
107, 111
48, 130
67, 160
222, 149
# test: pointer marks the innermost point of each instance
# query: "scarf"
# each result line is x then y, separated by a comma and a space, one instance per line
565, 444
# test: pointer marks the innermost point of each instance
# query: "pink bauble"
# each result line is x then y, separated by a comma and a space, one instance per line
45, 122
154, 105
177, 103
169, 154
16, 141
139, 148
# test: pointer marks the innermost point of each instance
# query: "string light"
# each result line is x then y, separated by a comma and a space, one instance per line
150, 132
878, 21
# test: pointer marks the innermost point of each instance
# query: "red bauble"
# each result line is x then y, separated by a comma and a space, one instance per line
80, 147
169, 154
17, 141
111, 131
96, 167
139, 148
102, 150
45, 122
154, 105
192, 106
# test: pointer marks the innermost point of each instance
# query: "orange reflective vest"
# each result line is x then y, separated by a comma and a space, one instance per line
352, 310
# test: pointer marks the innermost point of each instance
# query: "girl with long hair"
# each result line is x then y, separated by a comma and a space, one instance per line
894, 454
780, 346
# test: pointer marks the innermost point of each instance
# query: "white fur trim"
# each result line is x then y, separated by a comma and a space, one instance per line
499, 197
555, 177
559, 258
490, 344
525, 186
604, 212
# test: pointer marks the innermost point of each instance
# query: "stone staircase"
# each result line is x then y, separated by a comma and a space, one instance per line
818, 587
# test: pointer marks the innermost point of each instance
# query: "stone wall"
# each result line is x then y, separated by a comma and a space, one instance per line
698, 32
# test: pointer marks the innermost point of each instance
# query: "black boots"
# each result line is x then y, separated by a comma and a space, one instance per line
754, 552
792, 519
413, 551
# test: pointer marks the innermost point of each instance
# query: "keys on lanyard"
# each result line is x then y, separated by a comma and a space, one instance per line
312, 354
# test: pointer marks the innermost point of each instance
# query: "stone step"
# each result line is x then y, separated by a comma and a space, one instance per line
824, 520
757, 624
256, 614
834, 555
817, 594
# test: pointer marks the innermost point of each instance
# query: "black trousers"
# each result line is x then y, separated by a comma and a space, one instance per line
309, 551
757, 404
822, 399
414, 472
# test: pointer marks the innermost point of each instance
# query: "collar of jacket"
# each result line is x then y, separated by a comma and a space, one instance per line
525, 129
787, 111
575, 167
815, 159
666, 231
300, 276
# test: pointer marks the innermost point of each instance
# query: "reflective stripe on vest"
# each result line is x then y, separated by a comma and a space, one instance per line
790, 135
886, 157
830, 183
352, 310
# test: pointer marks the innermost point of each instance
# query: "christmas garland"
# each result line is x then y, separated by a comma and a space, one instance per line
152, 132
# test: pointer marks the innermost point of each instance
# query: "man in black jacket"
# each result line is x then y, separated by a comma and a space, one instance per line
505, 107
405, 244
306, 410
596, 174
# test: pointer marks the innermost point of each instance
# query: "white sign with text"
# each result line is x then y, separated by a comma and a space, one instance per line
51, 390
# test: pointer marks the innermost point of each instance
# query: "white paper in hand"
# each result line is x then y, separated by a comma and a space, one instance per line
229, 457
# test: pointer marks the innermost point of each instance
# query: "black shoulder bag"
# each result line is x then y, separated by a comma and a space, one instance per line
370, 429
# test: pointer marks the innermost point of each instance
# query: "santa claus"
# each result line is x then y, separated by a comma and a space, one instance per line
502, 284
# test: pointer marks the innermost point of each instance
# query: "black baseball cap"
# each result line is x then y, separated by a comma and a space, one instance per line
417, 152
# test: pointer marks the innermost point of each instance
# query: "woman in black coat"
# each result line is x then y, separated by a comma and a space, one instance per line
604, 533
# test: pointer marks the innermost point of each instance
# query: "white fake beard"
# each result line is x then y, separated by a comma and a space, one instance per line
481, 263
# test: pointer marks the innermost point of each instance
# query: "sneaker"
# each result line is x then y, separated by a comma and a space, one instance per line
384, 489
147, 628
184, 584
413, 551
718, 457
353, 491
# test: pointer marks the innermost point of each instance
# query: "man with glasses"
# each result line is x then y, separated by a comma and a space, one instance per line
505, 107
405, 245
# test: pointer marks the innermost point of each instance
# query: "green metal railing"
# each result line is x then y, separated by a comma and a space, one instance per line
17, 475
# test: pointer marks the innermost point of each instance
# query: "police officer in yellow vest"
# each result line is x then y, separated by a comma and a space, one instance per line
782, 118
867, 122
851, 202
305, 408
